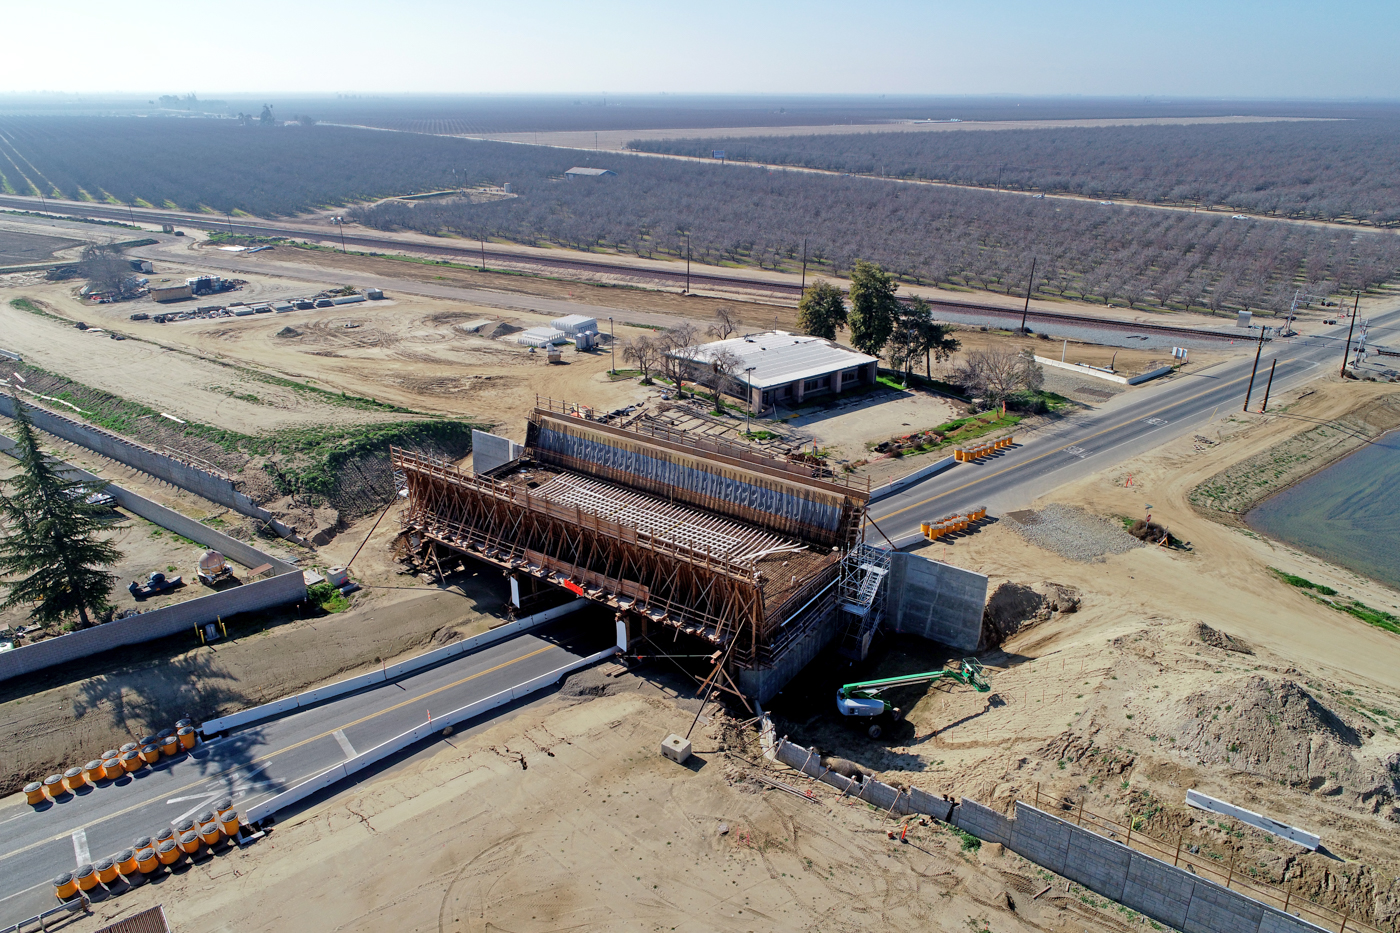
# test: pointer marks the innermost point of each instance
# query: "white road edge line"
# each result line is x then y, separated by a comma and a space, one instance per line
344, 743
80, 847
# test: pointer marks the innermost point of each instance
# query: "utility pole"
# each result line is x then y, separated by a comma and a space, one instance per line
687, 263
1346, 351
1029, 285
229, 218
612, 342
483, 253
804, 263
132, 214
1260, 349
748, 386
1265, 407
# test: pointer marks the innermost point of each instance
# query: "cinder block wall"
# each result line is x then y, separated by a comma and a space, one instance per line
1150, 886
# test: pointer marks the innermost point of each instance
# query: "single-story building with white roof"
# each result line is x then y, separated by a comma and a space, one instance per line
779, 368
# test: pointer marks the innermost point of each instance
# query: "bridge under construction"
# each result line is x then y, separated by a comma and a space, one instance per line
760, 559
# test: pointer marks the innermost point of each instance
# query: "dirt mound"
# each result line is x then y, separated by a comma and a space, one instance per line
1276, 729
1221, 640
500, 329
288, 332
1015, 606
319, 523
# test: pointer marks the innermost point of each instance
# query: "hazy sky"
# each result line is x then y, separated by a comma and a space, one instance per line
1212, 48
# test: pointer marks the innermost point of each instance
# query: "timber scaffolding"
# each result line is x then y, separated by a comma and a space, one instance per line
710, 539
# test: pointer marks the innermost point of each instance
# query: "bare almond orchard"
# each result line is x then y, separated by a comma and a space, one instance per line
1123, 677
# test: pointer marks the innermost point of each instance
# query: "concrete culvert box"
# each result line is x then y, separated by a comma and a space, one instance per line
676, 748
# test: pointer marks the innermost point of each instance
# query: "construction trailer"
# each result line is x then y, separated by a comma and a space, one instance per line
698, 546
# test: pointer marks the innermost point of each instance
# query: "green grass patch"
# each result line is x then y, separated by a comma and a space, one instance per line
1302, 582
327, 597
970, 843
1327, 596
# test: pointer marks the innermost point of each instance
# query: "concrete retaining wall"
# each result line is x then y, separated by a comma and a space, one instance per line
211, 486
158, 623
873, 792
937, 601
491, 450
765, 683
1150, 886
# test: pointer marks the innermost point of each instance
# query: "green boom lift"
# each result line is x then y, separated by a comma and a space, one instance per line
861, 700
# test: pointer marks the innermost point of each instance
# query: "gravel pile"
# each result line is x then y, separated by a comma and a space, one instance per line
1072, 532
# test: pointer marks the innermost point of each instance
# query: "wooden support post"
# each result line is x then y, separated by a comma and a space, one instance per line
1177, 857
1037, 795
1345, 917
1129, 842
1231, 876
1079, 820
1287, 898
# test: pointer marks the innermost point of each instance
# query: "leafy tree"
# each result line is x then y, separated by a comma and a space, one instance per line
821, 310
873, 307
917, 334
52, 554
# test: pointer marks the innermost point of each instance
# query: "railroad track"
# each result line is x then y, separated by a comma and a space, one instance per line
674, 278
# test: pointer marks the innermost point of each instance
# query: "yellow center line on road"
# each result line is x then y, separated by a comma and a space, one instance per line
1073, 443
270, 755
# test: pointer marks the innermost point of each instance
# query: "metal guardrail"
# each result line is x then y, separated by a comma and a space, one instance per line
81, 902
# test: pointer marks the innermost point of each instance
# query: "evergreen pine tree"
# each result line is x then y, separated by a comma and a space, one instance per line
53, 553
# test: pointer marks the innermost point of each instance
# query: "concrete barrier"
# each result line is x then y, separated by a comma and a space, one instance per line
428, 659
904, 482
1083, 370
399, 742
1144, 377
148, 626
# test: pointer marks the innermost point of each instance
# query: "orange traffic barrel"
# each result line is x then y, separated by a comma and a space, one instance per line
110, 753
223, 805
210, 834
34, 793
164, 734
187, 737
148, 740
164, 835
93, 771
53, 786
189, 842
228, 822
126, 861
112, 768
131, 760
167, 853
73, 777
184, 826
129, 746
142, 842
169, 745
65, 886
146, 861
150, 754
86, 876
106, 870
182, 724
204, 819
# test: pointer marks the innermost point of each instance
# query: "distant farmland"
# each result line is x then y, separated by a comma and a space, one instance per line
737, 215
1328, 170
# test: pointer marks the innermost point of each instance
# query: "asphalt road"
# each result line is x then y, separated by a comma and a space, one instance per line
1130, 424
257, 762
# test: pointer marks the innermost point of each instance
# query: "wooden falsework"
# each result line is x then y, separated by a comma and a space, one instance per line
716, 596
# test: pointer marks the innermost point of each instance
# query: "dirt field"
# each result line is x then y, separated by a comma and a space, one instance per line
1129, 701
567, 817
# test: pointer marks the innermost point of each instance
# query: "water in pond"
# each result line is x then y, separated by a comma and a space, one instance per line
1348, 513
